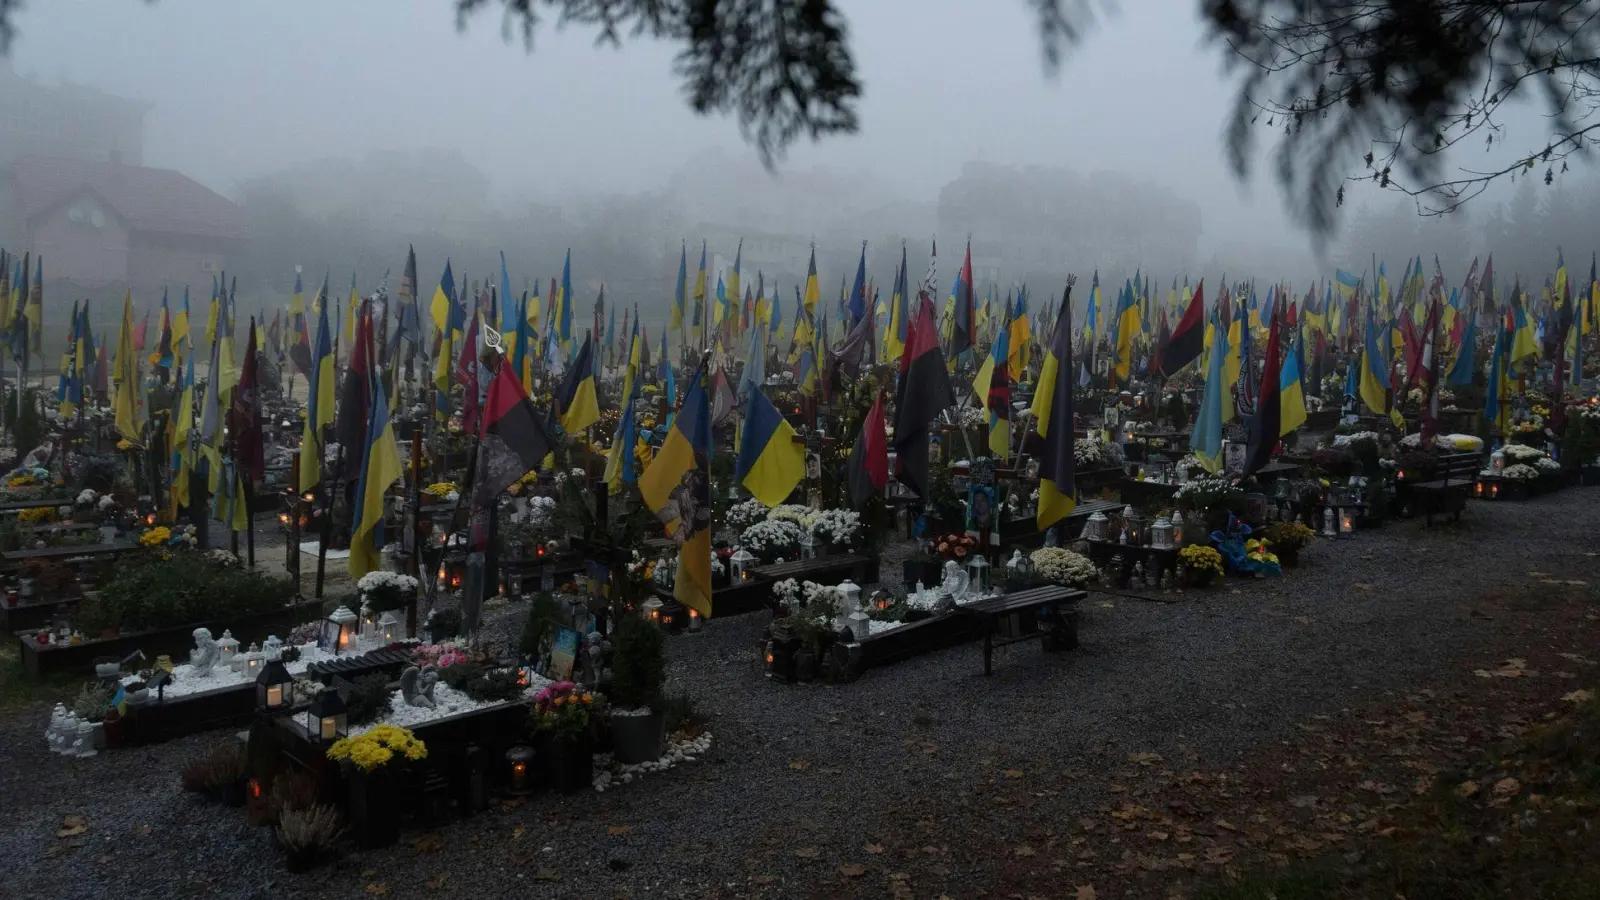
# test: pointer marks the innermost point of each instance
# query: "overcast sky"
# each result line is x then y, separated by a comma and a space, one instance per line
244, 89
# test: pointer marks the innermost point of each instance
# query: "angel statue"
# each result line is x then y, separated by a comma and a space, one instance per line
416, 686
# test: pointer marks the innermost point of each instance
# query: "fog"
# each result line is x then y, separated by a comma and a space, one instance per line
347, 130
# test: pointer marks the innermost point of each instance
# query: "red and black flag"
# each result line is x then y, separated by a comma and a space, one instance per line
924, 393
869, 457
1188, 339
962, 338
1264, 425
355, 393
244, 416
515, 438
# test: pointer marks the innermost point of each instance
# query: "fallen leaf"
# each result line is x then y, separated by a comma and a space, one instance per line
1507, 788
1025, 850
1145, 759
808, 853
1086, 892
1013, 773
1576, 583
1363, 586
516, 832
617, 830
437, 881
800, 765
930, 748
853, 870
378, 888
1467, 788
1583, 696
427, 843
547, 875
873, 848
1225, 824
72, 826
1157, 835
764, 880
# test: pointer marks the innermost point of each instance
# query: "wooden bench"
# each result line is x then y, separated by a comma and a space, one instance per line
1049, 614
1446, 491
20, 505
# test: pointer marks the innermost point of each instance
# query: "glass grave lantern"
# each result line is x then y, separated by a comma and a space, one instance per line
851, 592
1158, 468
326, 719
978, 575
1095, 528
339, 630
1255, 507
274, 688
1161, 534
227, 648
254, 661
652, 609
1177, 528
1019, 568
696, 621
519, 778
743, 563
1347, 521
391, 627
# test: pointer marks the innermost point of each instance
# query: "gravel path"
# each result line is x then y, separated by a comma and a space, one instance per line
826, 770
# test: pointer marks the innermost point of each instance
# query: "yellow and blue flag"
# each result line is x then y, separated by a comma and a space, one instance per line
381, 468
677, 488
770, 463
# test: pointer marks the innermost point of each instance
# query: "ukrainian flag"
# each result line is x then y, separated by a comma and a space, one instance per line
1127, 324
580, 405
699, 289
1291, 395
443, 296
319, 403
381, 469
1206, 438
677, 487
565, 301
1020, 339
1374, 371
770, 462
813, 286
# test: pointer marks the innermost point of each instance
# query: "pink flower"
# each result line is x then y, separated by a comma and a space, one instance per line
562, 687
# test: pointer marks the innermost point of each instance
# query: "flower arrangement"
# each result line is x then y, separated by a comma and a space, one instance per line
87, 497
222, 557
155, 537
772, 538
1086, 452
125, 444
441, 489
563, 709
1288, 535
443, 654
1547, 464
1200, 558
381, 591
793, 512
541, 514
1358, 437
1521, 472
38, 515
973, 416
951, 546
745, 513
1209, 492
372, 749
1256, 551
1059, 565
1522, 453
787, 591
836, 527
21, 480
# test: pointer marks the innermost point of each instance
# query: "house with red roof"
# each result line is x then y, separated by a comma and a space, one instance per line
73, 189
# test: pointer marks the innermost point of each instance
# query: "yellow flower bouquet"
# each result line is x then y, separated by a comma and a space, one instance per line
377, 747
1201, 564
156, 537
440, 489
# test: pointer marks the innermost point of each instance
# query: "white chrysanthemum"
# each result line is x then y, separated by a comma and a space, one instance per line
1059, 565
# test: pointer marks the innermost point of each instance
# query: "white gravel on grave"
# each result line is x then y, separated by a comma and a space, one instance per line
185, 681
448, 702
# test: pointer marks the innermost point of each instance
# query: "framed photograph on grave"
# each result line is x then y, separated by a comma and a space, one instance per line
814, 465
980, 507
1233, 454
563, 654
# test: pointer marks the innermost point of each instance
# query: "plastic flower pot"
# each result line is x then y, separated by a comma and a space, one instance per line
568, 763
637, 739
1288, 557
374, 807
1199, 578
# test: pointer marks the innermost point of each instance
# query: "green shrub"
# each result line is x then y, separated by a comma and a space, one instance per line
367, 698
544, 616
639, 664
152, 593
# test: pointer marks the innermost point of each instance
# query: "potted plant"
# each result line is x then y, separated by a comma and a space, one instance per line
372, 760
91, 705
638, 671
1287, 539
561, 721
309, 837
219, 775
1202, 565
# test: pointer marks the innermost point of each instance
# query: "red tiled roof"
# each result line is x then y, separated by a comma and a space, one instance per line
158, 200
